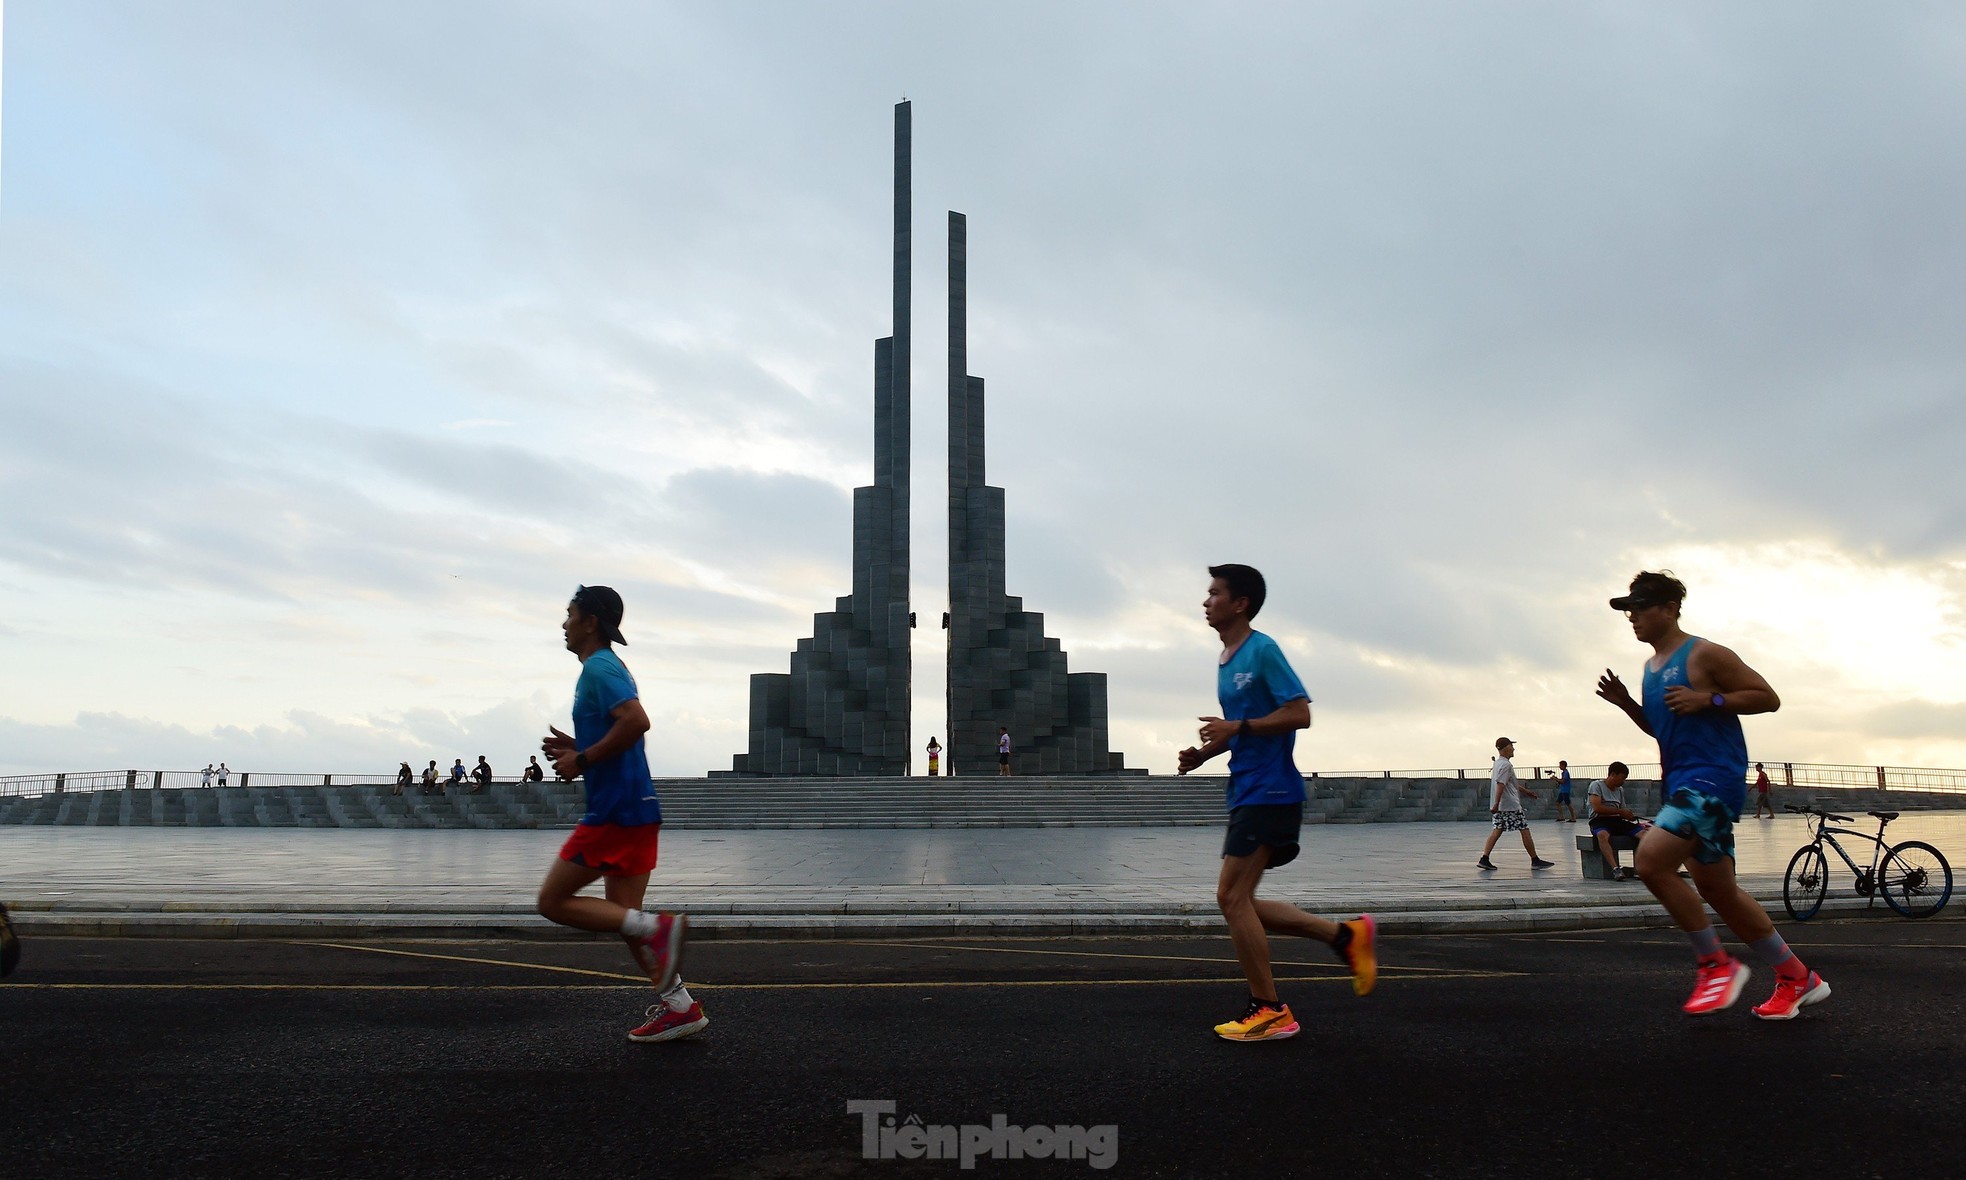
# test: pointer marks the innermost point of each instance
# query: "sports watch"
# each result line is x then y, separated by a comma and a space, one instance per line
1719, 700
580, 759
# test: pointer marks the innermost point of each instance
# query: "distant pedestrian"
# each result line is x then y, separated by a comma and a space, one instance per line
1761, 785
934, 756
1263, 706
1003, 752
1568, 813
1610, 817
616, 840
205, 779
222, 772
456, 780
403, 776
1505, 807
532, 772
430, 786
482, 775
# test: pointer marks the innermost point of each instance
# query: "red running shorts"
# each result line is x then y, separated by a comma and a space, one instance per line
614, 850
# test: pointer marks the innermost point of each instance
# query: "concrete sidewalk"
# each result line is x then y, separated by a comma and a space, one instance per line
344, 883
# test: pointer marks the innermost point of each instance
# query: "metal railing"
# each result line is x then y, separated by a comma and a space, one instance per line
1832, 775
1829, 775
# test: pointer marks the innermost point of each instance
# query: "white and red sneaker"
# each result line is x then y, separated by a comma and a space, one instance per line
1718, 986
1792, 996
666, 1024
661, 953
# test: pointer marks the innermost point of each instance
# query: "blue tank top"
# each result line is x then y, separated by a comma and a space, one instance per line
1704, 750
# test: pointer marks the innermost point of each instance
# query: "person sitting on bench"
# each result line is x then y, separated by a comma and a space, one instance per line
1610, 817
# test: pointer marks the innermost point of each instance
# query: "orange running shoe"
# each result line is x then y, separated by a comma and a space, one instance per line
1361, 954
1718, 986
1792, 996
1262, 1022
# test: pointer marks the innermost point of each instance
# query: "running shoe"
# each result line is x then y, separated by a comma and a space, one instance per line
9, 944
661, 953
1718, 986
1792, 996
1361, 954
1262, 1022
666, 1024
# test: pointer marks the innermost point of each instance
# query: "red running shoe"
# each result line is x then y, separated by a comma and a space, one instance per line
661, 953
1792, 996
1718, 986
666, 1024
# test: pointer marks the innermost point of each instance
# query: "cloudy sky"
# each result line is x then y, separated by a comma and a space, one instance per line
338, 342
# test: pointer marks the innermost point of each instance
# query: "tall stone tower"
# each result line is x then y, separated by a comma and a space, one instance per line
1003, 670
843, 709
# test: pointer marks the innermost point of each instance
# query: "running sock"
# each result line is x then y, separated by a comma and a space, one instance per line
638, 924
1706, 944
1276, 1005
677, 997
1775, 952
1342, 939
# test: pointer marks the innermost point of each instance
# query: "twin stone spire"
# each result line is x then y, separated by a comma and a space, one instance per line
844, 707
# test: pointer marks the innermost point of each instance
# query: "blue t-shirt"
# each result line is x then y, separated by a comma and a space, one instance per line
1256, 682
1706, 750
1563, 782
619, 790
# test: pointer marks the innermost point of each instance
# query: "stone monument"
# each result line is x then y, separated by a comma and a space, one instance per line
1003, 669
843, 709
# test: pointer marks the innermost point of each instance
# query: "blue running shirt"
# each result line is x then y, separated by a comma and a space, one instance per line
619, 790
1704, 750
1256, 682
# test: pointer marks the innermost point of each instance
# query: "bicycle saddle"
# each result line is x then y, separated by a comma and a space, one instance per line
1886, 816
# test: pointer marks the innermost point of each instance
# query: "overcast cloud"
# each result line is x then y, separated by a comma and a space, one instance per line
339, 342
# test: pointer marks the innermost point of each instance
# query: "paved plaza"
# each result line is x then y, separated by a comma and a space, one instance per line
772, 881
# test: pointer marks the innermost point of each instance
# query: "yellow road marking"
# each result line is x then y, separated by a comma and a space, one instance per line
383, 950
1014, 950
721, 987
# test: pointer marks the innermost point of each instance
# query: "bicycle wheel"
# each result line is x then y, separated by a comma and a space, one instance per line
1915, 879
1806, 882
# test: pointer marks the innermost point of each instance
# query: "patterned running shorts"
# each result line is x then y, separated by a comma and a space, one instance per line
1694, 814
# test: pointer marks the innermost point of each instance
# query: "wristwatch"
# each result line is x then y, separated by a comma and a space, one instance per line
1242, 727
580, 759
1719, 701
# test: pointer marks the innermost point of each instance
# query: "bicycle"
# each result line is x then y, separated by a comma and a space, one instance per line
1912, 877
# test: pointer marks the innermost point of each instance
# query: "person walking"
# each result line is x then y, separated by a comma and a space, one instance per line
1505, 812
934, 756
1761, 799
1692, 699
1003, 752
616, 840
1263, 707
1569, 813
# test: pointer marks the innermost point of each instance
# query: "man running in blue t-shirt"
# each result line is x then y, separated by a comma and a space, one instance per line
1695, 693
616, 839
1263, 707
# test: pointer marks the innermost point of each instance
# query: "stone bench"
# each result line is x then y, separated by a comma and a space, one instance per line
1593, 861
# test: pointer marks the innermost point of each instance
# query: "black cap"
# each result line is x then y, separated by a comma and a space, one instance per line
1500, 742
1650, 589
603, 604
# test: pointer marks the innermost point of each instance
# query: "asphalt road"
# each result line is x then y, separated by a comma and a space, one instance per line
1527, 1055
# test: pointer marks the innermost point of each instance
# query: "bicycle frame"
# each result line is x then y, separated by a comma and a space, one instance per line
1868, 877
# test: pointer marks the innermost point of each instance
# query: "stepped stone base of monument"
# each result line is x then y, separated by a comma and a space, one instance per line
888, 802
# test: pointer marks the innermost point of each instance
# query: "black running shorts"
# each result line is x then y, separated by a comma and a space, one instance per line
1274, 824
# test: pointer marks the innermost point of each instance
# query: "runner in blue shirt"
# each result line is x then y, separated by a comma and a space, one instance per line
1263, 707
1695, 693
616, 839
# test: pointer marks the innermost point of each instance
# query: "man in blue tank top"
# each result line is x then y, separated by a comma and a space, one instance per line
1263, 707
1695, 693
